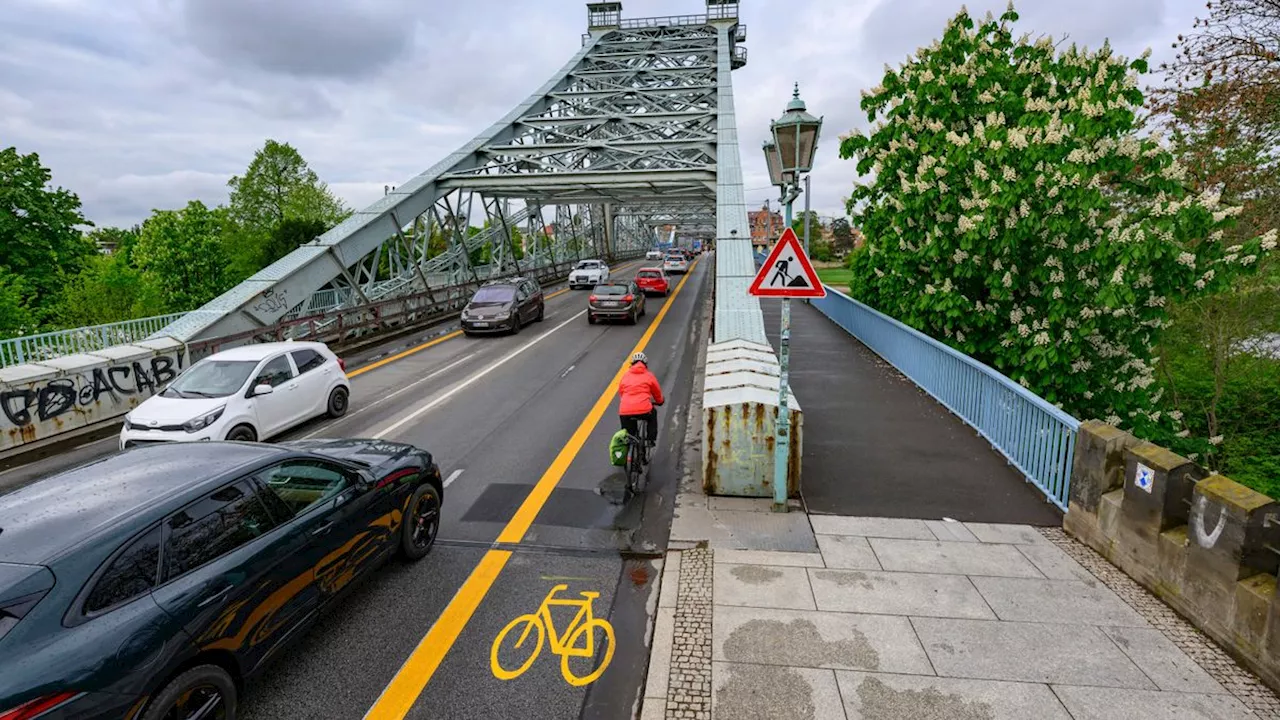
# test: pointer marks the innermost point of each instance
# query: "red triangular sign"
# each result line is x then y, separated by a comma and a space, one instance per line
787, 272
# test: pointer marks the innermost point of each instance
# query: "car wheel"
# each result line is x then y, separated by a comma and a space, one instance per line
632, 319
421, 523
203, 691
591, 319
515, 322
242, 433
542, 312
338, 402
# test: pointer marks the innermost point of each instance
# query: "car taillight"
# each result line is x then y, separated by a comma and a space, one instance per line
592, 298
37, 707
342, 365
628, 298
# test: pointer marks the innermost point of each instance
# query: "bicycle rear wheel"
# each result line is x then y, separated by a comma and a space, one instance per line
635, 466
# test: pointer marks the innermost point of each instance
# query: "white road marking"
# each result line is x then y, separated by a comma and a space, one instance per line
452, 476
406, 388
473, 379
565, 374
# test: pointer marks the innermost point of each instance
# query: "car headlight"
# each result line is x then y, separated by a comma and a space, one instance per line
203, 421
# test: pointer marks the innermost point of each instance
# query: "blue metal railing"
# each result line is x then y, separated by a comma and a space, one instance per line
1037, 438
46, 346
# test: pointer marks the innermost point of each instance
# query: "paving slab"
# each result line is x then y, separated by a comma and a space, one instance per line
1055, 564
769, 557
762, 692
1093, 703
956, 558
660, 654
880, 696
762, 586
670, 586
1167, 666
887, 593
1056, 601
871, 527
1027, 652
796, 638
950, 530
1006, 533
847, 552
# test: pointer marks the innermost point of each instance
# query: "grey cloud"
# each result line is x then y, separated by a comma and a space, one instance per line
299, 37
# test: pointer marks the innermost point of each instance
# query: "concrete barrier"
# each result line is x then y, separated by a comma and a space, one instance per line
56, 397
1201, 542
739, 415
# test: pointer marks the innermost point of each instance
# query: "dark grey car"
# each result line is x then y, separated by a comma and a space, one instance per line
621, 300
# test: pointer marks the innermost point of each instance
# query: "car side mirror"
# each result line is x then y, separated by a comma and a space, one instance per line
263, 389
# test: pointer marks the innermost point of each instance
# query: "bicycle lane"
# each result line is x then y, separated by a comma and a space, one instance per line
587, 538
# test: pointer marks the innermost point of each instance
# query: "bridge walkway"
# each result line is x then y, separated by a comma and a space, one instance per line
876, 445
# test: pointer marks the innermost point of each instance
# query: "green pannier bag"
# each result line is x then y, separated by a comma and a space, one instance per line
618, 448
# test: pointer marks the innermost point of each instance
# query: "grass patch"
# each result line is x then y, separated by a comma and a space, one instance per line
838, 277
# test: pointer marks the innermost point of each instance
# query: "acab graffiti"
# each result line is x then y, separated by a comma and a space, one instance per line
59, 396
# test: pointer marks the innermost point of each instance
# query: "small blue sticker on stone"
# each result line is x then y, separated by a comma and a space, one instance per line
1145, 477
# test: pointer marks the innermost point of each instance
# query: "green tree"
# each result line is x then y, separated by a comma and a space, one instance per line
841, 235
40, 239
109, 289
291, 233
277, 186
16, 317
1017, 213
181, 256
815, 226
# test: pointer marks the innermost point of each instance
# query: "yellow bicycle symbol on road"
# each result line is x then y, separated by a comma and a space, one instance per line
577, 641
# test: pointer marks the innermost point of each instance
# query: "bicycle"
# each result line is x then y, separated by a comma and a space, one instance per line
639, 453
564, 645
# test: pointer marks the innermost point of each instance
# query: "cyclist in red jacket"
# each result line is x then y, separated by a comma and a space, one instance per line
640, 395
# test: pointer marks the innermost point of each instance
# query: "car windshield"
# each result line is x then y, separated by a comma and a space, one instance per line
494, 295
611, 290
211, 378
644, 274
588, 265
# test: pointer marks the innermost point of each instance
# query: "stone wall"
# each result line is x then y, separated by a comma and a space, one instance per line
1204, 544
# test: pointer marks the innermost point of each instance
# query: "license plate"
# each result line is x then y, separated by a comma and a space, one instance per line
608, 304
480, 324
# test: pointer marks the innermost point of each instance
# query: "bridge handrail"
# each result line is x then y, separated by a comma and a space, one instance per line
57, 343
1036, 436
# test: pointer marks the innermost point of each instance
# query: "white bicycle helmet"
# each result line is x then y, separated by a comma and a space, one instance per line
639, 358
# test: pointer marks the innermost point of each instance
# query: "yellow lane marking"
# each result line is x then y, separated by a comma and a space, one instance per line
399, 696
432, 343
520, 522
403, 690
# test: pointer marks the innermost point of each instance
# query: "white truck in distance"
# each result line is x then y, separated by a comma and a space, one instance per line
588, 274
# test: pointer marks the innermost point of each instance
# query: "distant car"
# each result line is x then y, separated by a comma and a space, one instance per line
619, 300
588, 273
149, 584
504, 306
253, 392
675, 262
652, 281
653, 255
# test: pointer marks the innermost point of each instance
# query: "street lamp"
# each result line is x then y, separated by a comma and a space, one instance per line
789, 154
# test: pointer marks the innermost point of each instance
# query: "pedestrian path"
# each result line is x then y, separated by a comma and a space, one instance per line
920, 620
875, 444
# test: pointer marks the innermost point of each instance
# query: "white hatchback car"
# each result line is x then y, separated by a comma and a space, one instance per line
588, 274
247, 393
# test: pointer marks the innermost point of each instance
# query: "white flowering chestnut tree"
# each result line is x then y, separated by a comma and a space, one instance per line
1012, 209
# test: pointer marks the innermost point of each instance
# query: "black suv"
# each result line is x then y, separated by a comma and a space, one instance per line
504, 306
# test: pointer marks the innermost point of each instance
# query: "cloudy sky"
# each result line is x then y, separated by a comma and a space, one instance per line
148, 103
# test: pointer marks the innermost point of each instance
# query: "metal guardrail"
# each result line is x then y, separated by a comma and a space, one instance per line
350, 324
46, 346
1037, 438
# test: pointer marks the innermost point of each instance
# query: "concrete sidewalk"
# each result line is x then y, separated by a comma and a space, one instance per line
919, 620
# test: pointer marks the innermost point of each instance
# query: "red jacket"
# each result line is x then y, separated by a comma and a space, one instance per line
639, 390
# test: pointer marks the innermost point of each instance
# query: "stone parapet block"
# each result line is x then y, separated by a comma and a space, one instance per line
1202, 543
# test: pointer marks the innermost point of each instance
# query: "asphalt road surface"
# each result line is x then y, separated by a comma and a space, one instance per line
519, 425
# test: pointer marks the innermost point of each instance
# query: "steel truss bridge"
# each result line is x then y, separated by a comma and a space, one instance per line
636, 132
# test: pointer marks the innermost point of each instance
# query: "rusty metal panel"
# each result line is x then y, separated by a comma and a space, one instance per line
739, 415
41, 400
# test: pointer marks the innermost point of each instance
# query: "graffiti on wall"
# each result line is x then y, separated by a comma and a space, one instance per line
39, 402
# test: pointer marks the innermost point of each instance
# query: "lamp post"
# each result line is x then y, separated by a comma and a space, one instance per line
788, 155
